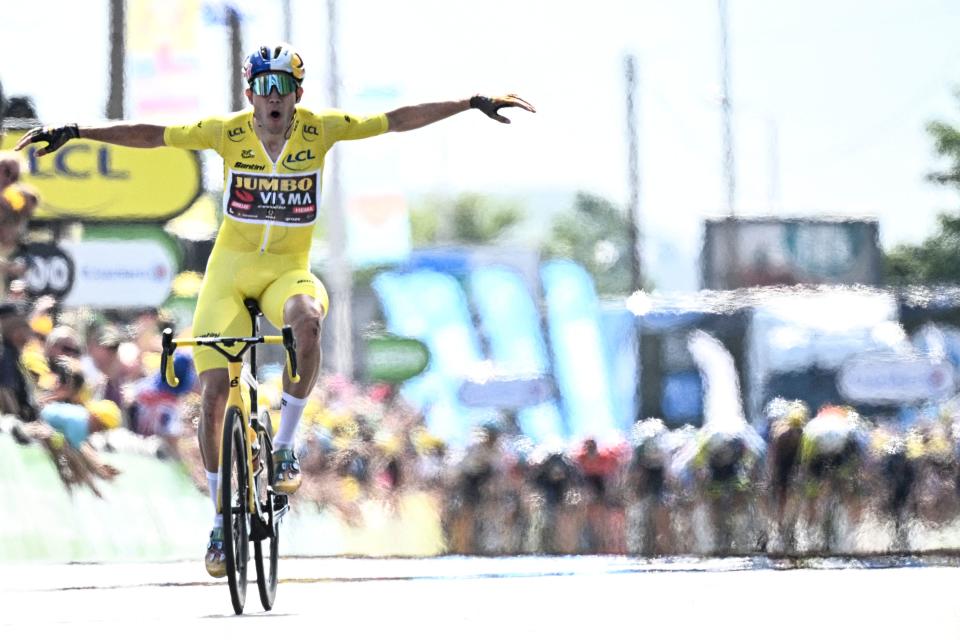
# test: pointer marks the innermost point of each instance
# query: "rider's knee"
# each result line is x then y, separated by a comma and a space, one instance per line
307, 324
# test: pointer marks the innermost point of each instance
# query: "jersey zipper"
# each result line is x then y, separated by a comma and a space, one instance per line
266, 236
268, 226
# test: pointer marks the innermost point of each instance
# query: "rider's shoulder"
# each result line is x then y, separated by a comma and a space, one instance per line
224, 120
326, 115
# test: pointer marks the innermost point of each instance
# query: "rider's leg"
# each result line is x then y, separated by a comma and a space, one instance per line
298, 299
305, 317
214, 389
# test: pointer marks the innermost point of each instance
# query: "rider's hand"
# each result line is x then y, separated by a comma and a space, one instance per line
55, 137
491, 106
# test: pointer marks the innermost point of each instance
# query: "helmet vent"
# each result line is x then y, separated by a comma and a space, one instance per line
264, 53
276, 52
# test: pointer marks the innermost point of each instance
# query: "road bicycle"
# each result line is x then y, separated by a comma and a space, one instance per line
252, 510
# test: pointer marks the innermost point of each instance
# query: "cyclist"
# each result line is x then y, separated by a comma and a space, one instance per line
649, 508
788, 418
721, 468
273, 159
833, 452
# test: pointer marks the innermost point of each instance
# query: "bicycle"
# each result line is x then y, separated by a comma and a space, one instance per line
254, 509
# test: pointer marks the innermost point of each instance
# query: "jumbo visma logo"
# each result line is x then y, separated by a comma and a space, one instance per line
256, 183
298, 158
290, 200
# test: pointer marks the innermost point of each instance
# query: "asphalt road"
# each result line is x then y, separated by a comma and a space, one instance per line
584, 597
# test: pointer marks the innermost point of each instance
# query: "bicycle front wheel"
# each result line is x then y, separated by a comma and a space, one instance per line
267, 558
233, 501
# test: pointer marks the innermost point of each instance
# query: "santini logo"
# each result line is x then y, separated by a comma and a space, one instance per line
251, 167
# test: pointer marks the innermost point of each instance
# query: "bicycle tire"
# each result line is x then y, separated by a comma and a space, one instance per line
267, 564
233, 501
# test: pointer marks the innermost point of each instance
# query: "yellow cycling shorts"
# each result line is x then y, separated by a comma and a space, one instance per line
232, 277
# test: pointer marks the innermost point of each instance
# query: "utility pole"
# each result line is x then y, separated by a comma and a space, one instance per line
633, 227
732, 262
235, 38
287, 22
633, 176
773, 160
729, 167
118, 54
341, 296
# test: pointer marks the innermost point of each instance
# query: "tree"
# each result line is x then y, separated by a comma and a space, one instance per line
470, 219
935, 260
596, 235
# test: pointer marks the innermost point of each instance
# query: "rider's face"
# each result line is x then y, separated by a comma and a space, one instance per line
274, 112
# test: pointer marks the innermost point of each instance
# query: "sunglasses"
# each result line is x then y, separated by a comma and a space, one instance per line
263, 84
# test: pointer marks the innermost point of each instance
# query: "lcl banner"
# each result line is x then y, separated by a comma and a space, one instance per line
93, 181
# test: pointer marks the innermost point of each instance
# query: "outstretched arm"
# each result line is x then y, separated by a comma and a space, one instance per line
414, 117
128, 134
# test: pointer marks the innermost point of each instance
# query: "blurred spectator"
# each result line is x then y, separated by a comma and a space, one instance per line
147, 328
17, 289
154, 409
17, 392
105, 370
76, 421
62, 341
17, 203
11, 166
68, 382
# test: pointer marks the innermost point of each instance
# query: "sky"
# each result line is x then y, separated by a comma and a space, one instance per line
831, 99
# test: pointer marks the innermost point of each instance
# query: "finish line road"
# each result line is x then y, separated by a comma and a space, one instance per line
568, 597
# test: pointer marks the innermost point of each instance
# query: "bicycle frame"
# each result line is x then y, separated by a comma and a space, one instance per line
239, 379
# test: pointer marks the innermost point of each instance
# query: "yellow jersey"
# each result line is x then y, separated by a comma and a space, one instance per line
272, 207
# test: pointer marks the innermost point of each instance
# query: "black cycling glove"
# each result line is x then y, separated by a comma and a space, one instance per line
55, 137
492, 106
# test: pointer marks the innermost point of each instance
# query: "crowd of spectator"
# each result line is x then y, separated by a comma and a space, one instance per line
82, 384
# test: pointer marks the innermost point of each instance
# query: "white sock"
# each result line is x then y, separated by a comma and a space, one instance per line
291, 409
213, 482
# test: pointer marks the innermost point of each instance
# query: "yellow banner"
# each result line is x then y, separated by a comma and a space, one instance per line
88, 180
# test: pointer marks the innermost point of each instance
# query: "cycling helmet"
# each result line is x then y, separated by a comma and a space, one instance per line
724, 448
281, 57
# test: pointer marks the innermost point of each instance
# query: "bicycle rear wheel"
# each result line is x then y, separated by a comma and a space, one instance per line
233, 501
267, 559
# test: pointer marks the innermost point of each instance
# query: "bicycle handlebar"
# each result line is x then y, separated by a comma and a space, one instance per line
290, 344
169, 345
166, 362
